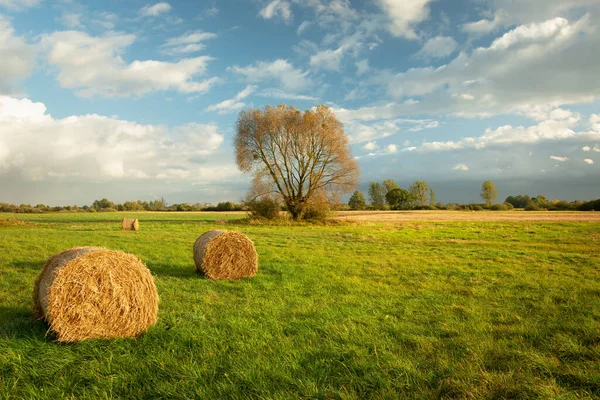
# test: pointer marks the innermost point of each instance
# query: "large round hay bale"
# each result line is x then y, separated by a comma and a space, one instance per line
130, 224
225, 255
95, 293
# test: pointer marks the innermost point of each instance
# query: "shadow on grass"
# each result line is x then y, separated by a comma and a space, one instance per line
17, 322
174, 271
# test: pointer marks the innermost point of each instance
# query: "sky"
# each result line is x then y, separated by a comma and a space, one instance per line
138, 100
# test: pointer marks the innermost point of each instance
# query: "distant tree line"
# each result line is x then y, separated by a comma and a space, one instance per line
105, 205
388, 195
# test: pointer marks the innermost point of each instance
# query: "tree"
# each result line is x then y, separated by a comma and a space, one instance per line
390, 185
377, 194
431, 197
357, 201
293, 155
489, 192
420, 192
399, 198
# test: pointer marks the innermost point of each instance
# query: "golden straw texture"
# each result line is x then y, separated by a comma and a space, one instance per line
130, 224
225, 255
95, 293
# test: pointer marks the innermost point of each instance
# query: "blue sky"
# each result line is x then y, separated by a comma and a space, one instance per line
138, 100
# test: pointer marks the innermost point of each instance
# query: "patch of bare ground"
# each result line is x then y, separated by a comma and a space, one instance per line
510, 216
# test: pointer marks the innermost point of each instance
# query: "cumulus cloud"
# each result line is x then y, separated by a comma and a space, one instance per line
535, 66
586, 148
155, 10
391, 148
17, 58
277, 8
589, 161
190, 42
438, 47
290, 78
234, 104
561, 159
404, 15
371, 146
93, 66
460, 167
37, 146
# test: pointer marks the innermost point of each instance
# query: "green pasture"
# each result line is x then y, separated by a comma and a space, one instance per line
378, 310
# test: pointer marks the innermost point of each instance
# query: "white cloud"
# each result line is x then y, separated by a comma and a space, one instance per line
485, 26
595, 122
303, 26
328, 59
190, 42
18, 4
280, 94
438, 47
538, 66
371, 146
561, 159
391, 148
597, 149
460, 167
291, 78
404, 15
589, 161
72, 20
508, 135
277, 8
586, 148
408, 149
234, 104
17, 57
362, 67
93, 66
155, 10
93, 147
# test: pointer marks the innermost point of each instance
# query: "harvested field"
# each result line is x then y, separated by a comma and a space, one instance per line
499, 216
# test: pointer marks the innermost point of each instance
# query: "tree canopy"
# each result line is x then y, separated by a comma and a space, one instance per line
293, 155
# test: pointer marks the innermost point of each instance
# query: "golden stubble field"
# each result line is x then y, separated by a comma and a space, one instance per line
495, 216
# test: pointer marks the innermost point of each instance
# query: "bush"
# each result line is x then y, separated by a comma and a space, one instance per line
590, 205
318, 209
476, 207
502, 207
425, 207
532, 206
264, 208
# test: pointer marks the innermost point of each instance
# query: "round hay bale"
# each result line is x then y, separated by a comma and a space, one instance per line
95, 293
225, 255
130, 224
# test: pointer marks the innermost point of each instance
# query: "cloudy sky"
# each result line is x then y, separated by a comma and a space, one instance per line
138, 100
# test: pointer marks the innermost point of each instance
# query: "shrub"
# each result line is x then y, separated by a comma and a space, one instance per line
318, 209
590, 205
425, 207
502, 207
264, 208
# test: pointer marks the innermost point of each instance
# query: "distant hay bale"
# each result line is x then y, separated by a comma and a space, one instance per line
95, 293
130, 224
225, 255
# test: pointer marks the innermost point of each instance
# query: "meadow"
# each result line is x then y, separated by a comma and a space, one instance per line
375, 307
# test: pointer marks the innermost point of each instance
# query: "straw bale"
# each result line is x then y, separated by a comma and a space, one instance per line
225, 255
95, 293
130, 224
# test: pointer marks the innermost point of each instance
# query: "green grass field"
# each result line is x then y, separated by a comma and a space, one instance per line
412, 309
